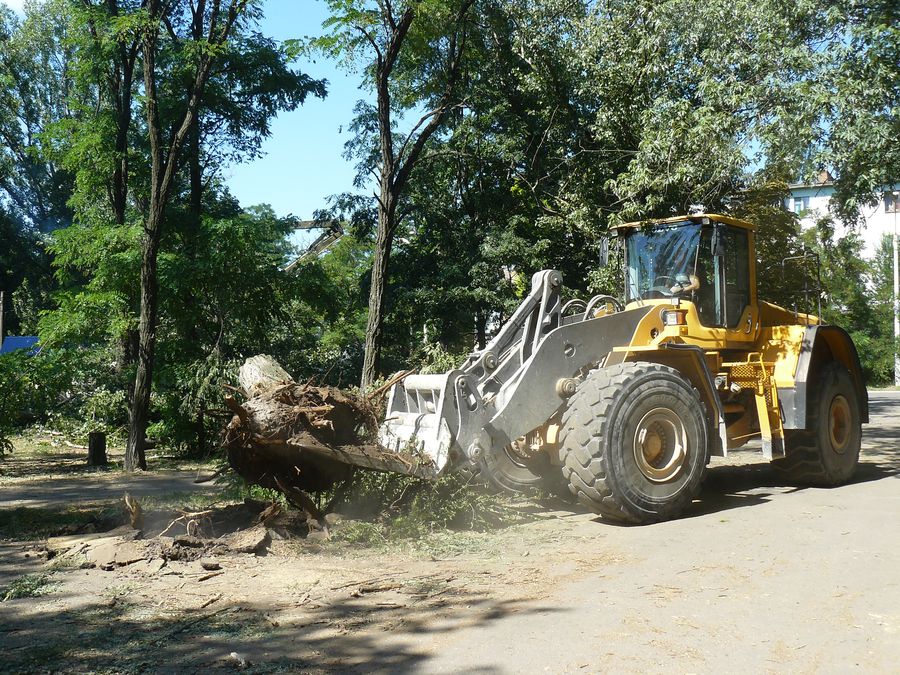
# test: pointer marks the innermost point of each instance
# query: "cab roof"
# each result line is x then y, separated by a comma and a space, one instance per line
695, 217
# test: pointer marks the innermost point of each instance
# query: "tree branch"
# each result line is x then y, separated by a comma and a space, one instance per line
371, 41
454, 56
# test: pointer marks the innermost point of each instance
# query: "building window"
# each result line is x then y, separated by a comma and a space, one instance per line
891, 202
801, 204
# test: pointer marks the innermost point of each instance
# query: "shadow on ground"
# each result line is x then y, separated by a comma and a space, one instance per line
737, 486
59, 462
347, 635
742, 485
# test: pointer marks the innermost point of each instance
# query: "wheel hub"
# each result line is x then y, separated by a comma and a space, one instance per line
660, 445
522, 451
839, 417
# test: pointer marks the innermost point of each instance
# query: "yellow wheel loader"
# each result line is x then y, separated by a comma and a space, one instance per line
625, 402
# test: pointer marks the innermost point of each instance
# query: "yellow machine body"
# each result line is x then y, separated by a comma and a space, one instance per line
753, 374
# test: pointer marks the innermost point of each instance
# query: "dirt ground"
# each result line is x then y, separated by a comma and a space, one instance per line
757, 577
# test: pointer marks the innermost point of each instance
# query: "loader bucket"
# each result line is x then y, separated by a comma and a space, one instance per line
416, 423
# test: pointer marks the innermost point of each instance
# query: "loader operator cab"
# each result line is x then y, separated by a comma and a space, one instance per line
700, 260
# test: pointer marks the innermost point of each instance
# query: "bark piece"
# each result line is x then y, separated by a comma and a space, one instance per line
253, 540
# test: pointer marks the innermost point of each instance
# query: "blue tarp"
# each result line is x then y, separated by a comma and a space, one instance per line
13, 343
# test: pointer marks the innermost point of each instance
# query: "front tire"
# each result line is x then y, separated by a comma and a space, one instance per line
635, 442
826, 453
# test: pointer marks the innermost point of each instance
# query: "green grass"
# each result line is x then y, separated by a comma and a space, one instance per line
167, 460
186, 501
393, 513
48, 447
362, 538
37, 453
29, 446
27, 586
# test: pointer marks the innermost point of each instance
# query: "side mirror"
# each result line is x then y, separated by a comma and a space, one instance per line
718, 242
604, 251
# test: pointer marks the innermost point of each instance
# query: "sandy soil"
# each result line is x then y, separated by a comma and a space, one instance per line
757, 577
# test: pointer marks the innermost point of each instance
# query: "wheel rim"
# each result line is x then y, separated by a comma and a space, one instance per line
515, 456
839, 417
660, 445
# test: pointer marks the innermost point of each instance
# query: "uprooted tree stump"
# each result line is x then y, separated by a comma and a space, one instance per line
285, 434
299, 438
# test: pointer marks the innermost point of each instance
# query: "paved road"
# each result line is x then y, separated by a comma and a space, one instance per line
758, 578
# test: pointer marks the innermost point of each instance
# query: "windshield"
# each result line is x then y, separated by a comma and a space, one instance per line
659, 259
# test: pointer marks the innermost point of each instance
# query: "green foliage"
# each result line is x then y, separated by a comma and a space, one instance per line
27, 586
857, 100
858, 296
95, 267
27, 523
877, 345
28, 301
437, 359
610, 280
777, 238
568, 117
33, 80
322, 331
31, 389
402, 507
21, 263
75, 148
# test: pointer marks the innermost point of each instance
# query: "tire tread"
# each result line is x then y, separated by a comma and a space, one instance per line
584, 425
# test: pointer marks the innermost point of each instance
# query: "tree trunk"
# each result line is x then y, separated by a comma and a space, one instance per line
380, 262
195, 169
481, 329
288, 436
97, 449
140, 407
396, 167
164, 158
201, 431
123, 90
280, 437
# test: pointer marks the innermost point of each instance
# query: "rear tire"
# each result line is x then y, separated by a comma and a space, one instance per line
826, 453
635, 443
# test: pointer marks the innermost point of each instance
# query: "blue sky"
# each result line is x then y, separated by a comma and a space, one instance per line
303, 163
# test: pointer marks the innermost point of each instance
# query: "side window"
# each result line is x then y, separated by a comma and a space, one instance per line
737, 275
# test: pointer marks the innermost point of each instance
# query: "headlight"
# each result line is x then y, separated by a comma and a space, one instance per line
675, 317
